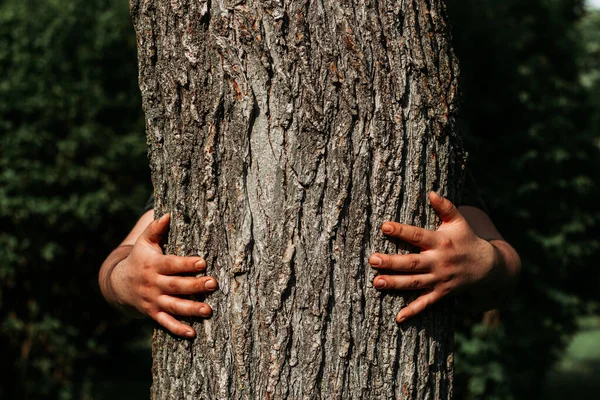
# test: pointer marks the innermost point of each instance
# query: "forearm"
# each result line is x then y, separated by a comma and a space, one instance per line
106, 278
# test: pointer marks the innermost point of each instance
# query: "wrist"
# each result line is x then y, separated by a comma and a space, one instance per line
485, 291
507, 266
497, 263
498, 284
120, 288
111, 279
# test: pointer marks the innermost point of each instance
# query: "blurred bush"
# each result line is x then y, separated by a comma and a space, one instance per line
532, 132
73, 174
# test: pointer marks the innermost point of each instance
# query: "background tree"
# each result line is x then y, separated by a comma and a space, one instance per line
73, 174
282, 134
527, 115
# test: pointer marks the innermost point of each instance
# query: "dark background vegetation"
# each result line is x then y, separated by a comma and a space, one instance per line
74, 176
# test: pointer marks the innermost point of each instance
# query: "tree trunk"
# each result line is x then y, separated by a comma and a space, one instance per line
282, 134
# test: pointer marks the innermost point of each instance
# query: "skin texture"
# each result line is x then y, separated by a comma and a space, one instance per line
466, 256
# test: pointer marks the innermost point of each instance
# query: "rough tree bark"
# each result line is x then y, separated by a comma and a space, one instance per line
282, 134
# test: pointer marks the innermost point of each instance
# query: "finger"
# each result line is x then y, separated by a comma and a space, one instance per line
183, 307
400, 262
446, 210
418, 306
170, 265
175, 327
185, 285
404, 282
156, 230
418, 236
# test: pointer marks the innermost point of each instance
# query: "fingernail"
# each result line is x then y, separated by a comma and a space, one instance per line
164, 217
211, 284
190, 333
401, 319
379, 283
437, 196
387, 228
200, 265
375, 261
204, 310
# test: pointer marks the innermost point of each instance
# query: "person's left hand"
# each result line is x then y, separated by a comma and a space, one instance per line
452, 259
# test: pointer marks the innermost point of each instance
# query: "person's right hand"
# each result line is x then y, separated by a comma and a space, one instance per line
147, 281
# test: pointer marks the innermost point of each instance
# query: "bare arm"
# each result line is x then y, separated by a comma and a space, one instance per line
138, 278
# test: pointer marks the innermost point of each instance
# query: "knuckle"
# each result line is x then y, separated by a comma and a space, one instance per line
397, 230
170, 263
446, 243
425, 303
147, 308
152, 229
417, 236
415, 284
418, 307
385, 261
152, 262
173, 286
171, 308
444, 265
175, 328
189, 310
413, 265
446, 290
146, 294
148, 286
146, 266
155, 226
146, 275
456, 259
448, 207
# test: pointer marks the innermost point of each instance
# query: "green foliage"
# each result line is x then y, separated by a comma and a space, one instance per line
576, 376
533, 144
590, 63
72, 177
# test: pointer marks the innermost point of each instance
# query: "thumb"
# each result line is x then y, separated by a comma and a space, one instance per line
156, 230
444, 208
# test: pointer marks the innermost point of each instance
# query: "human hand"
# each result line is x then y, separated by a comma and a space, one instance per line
452, 259
147, 281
